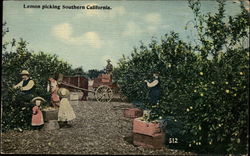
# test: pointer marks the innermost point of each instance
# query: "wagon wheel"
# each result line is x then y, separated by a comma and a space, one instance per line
103, 94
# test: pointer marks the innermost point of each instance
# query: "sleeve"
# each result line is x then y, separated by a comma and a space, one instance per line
29, 85
20, 84
152, 84
48, 87
34, 109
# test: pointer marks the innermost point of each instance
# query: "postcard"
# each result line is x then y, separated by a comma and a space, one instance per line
144, 77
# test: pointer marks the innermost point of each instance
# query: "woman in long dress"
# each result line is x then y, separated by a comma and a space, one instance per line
66, 112
53, 88
154, 89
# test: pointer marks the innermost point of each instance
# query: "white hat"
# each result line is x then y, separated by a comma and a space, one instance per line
24, 72
38, 98
63, 92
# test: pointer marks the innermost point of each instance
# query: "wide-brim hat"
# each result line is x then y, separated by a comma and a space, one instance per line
24, 72
63, 92
38, 98
156, 72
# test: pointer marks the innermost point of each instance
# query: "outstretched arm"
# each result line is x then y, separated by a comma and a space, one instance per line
20, 84
152, 84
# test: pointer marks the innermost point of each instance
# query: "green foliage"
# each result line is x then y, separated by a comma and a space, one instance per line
204, 86
78, 71
15, 58
4, 29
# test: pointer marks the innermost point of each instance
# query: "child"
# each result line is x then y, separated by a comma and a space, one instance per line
37, 116
66, 112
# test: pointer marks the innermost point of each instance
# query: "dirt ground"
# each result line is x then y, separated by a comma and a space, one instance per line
99, 128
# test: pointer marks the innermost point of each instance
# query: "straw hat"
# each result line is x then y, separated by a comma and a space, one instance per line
24, 72
63, 92
37, 98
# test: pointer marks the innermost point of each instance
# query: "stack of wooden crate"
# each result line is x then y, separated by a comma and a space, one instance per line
106, 78
148, 134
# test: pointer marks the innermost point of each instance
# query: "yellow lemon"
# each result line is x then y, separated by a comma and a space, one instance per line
201, 73
213, 82
241, 73
195, 91
191, 107
199, 127
226, 82
187, 110
238, 140
201, 94
227, 91
169, 65
235, 94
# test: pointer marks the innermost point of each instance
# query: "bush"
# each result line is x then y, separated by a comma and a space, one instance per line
204, 86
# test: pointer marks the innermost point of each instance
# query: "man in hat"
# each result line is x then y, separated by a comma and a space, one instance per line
109, 67
27, 84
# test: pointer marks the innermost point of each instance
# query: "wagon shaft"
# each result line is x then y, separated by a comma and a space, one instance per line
68, 85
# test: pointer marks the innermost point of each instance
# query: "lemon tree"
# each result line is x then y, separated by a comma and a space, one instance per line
204, 84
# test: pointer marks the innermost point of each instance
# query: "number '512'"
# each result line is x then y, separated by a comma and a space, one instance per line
173, 140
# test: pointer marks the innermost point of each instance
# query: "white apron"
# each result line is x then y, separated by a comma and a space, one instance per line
66, 112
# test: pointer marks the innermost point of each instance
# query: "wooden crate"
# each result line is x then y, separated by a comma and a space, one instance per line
106, 76
50, 114
155, 141
74, 97
77, 81
146, 128
106, 80
132, 113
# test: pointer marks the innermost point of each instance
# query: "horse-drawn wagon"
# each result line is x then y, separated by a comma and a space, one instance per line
103, 87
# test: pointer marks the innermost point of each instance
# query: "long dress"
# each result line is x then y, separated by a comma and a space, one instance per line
154, 93
37, 117
55, 100
66, 112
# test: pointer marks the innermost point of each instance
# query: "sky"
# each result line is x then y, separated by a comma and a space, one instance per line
87, 38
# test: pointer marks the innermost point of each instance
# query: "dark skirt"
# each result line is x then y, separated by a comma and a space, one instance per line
154, 96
